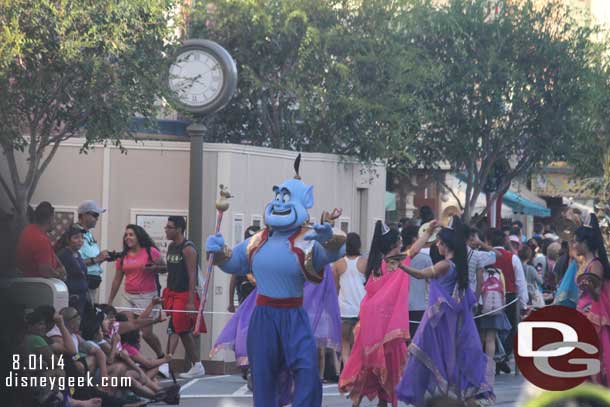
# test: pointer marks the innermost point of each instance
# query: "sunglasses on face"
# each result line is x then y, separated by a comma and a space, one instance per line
95, 215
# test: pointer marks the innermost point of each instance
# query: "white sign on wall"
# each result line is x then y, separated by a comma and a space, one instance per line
343, 224
238, 228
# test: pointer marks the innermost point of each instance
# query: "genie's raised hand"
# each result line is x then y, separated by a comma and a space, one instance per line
320, 232
215, 243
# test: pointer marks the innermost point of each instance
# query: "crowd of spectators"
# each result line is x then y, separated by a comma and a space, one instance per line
86, 340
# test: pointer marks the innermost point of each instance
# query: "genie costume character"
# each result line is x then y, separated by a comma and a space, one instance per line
282, 257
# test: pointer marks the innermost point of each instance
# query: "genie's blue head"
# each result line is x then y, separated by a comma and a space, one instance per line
288, 209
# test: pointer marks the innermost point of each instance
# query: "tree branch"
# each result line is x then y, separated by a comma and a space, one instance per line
521, 167
33, 156
483, 212
67, 133
43, 167
452, 192
12, 165
475, 194
470, 178
482, 176
486, 167
474, 179
33, 149
53, 114
9, 193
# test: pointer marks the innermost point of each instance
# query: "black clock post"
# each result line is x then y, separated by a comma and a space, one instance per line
202, 80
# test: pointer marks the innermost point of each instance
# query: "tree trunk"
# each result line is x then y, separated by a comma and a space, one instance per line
468, 203
21, 209
22, 191
402, 186
467, 212
8, 243
12, 224
401, 199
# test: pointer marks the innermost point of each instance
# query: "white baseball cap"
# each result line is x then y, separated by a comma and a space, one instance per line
514, 238
89, 206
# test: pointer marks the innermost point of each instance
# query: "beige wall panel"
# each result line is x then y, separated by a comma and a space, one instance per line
70, 177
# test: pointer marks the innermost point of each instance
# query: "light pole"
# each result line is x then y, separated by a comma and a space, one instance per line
196, 132
202, 79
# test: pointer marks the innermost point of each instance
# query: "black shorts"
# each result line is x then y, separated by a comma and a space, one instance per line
352, 320
93, 281
414, 316
347, 328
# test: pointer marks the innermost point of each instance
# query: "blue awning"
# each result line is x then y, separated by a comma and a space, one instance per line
520, 204
517, 202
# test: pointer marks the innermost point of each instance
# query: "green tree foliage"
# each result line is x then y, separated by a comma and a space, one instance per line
327, 76
512, 78
590, 156
11, 39
75, 68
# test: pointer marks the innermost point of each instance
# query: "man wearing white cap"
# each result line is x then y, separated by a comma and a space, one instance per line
88, 214
515, 244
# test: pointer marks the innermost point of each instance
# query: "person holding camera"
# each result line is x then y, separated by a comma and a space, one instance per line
93, 257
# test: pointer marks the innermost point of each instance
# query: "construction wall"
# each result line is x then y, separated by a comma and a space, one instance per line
151, 182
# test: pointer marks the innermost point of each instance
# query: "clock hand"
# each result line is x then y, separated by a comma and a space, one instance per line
192, 80
184, 85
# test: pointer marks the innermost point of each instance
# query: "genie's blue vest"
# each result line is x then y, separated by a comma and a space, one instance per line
302, 249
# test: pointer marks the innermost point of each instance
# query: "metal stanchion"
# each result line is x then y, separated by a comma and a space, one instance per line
517, 320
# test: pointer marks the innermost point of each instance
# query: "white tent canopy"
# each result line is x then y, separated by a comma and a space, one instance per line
459, 188
571, 203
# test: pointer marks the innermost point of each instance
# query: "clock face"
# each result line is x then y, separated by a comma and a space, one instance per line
196, 78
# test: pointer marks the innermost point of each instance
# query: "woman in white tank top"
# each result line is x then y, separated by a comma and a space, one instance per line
351, 283
349, 278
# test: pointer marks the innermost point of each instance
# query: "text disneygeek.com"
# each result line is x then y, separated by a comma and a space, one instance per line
61, 383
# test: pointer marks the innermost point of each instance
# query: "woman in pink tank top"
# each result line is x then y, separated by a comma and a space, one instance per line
139, 265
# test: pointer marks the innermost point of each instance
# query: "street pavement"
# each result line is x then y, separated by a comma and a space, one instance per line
231, 391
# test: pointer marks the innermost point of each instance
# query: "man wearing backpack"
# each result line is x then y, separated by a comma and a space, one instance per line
515, 287
180, 294
480, 255
492, 324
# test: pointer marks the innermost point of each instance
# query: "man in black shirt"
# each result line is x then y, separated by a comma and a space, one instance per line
180, 294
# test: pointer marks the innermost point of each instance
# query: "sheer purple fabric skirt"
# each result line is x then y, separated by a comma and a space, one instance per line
446, 356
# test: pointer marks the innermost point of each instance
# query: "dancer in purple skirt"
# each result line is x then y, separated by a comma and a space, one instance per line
445, 356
